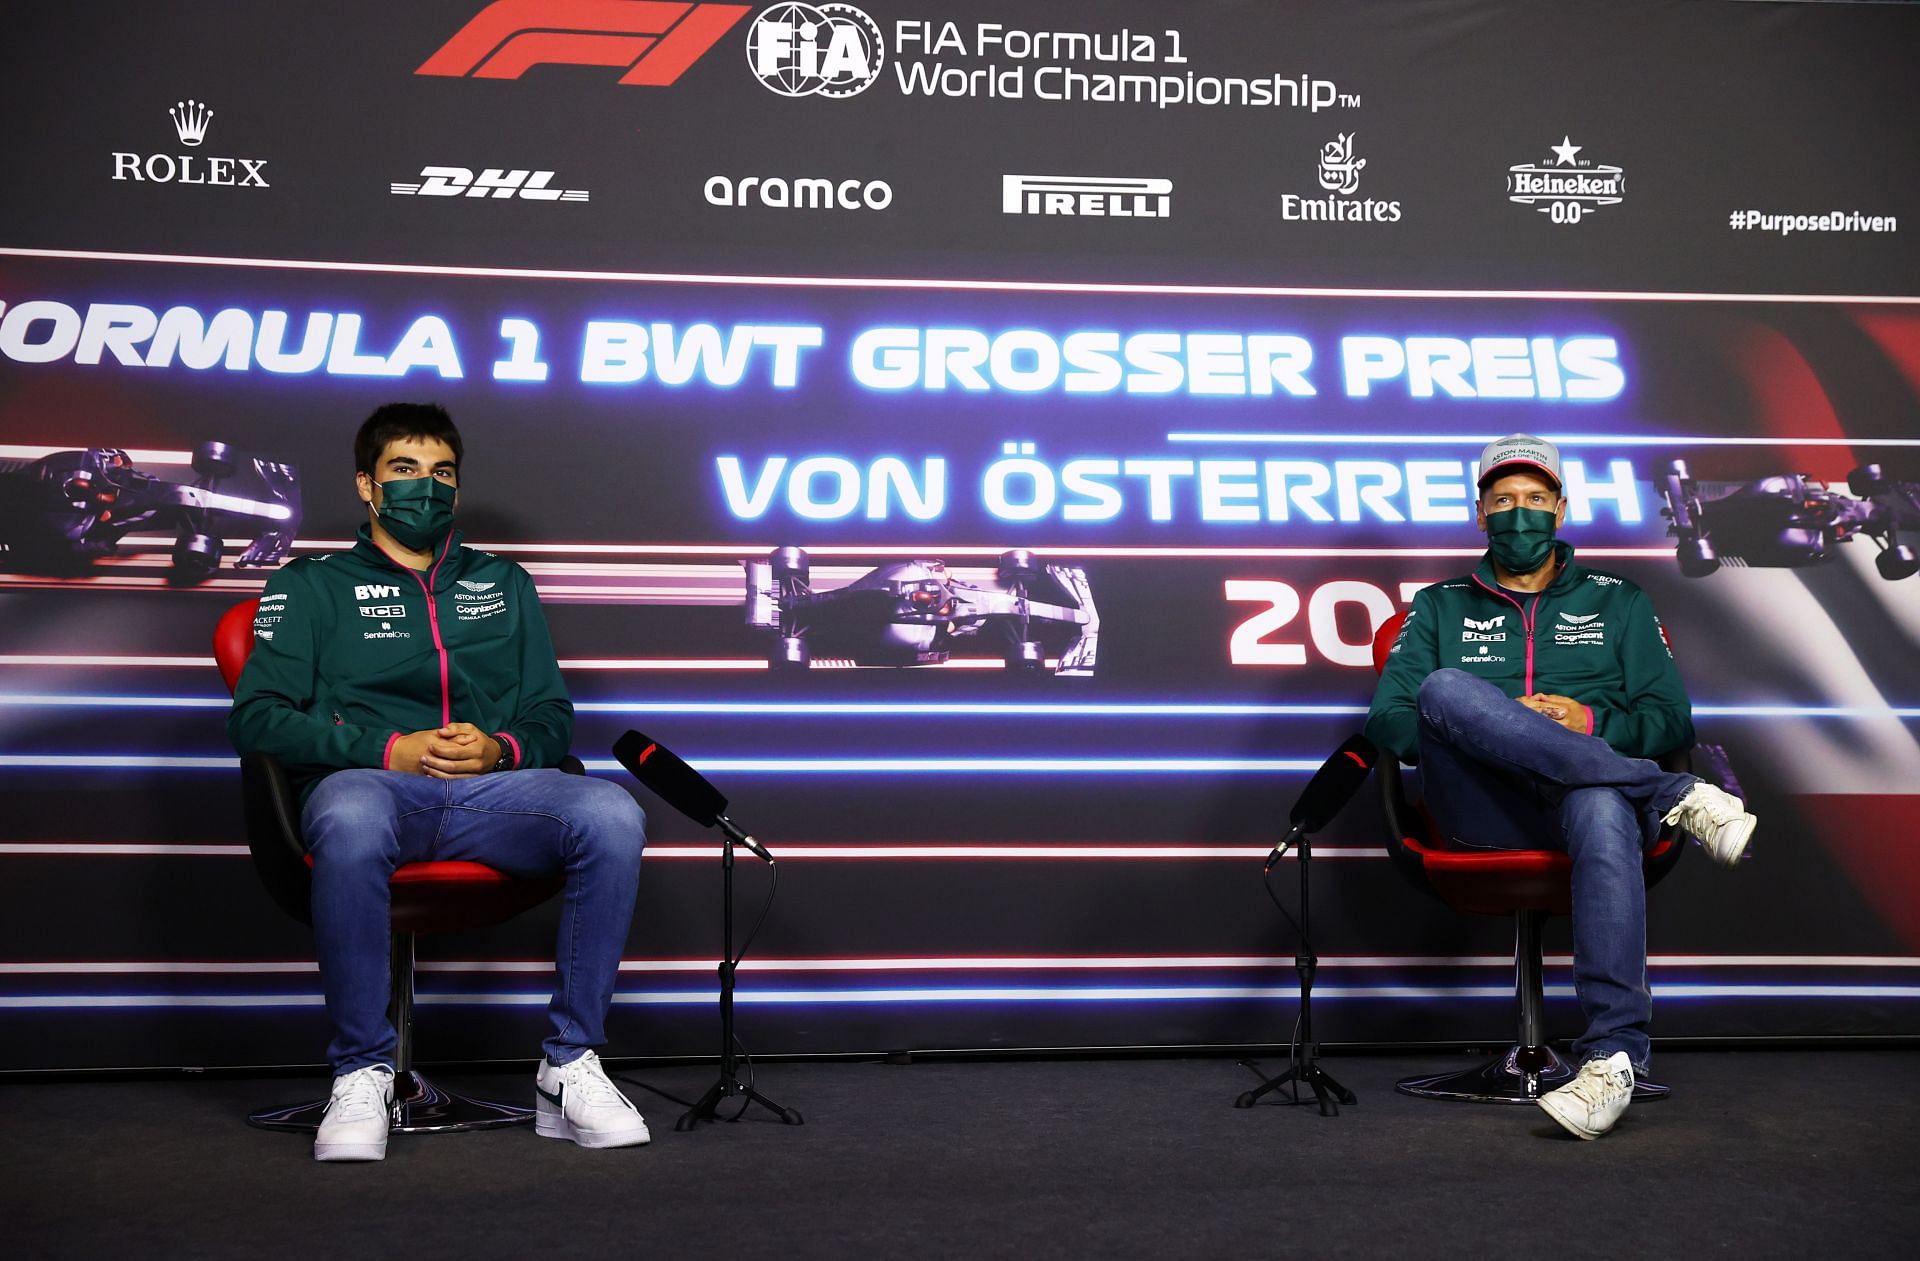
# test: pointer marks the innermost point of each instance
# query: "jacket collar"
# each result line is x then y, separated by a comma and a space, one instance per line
450, 559
1563, 581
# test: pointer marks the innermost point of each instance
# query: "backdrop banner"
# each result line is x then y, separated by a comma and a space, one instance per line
984, 439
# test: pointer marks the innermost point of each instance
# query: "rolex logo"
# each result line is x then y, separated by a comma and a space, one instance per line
190, 119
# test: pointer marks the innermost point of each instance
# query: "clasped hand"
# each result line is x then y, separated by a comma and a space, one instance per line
1564, 710
451, 752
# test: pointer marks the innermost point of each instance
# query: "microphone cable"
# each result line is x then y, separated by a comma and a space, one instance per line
1306, 947
746, 1057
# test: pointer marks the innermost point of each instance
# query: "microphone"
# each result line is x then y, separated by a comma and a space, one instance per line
680, 786
1328, 792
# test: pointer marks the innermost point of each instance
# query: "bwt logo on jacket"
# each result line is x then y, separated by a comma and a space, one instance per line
375, 591
1487, 632
652, 40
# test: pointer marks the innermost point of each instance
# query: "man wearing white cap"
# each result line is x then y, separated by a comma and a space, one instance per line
1533, 693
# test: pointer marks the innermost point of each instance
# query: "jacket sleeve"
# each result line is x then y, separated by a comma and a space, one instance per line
542, 727
274, 699
1393, 722
1658, 717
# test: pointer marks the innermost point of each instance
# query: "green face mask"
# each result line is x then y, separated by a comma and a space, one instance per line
1521, 539
417, 511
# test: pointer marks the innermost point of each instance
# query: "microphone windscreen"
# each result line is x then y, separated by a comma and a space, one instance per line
1334, 784
669, 778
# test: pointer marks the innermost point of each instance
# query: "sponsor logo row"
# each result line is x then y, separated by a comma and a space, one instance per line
1562, 185
837, 51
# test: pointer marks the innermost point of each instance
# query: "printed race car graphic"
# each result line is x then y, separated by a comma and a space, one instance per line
913, 613
1789, 520
61, 512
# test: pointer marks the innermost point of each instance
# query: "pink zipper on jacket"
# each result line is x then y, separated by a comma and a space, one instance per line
1526, 620
433, 623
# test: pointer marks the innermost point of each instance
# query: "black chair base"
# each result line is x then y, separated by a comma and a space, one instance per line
1521, 1075
420, 1107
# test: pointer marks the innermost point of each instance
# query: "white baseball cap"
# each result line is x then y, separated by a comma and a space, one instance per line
1520, 451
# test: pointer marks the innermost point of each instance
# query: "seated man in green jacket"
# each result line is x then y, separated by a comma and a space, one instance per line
1533, 693
410, 689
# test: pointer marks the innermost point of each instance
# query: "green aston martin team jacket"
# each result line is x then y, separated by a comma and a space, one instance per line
353, 650
1590, 635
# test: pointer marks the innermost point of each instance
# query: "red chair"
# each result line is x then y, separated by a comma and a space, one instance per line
427, 898
1526, 884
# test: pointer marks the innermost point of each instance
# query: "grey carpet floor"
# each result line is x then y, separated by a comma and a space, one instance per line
1757, 1154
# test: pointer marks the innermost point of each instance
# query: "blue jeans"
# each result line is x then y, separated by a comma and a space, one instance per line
361, 824
1497, 775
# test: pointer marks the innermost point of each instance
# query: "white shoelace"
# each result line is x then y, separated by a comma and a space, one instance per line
586, 1076
1593, 1089
359, 1096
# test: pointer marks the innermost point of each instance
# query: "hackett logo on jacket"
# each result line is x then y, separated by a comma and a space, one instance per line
1591, 636
361, 649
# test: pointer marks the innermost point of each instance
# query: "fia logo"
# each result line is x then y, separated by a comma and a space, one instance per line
802, 50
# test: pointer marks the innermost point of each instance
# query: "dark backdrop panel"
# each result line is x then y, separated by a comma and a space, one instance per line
972, 856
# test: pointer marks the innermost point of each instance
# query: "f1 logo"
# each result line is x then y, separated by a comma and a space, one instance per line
655, 40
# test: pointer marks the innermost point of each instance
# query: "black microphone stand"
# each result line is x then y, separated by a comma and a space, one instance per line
730, 1085
1305, 1067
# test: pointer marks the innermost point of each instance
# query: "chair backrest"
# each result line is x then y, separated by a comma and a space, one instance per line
1383, 641
233, 641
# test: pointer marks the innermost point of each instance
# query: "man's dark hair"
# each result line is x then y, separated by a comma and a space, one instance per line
396, 422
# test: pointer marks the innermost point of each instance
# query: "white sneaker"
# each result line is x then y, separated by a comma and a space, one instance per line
358, 1116
1587, 1106
578, 1102
1718, 820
